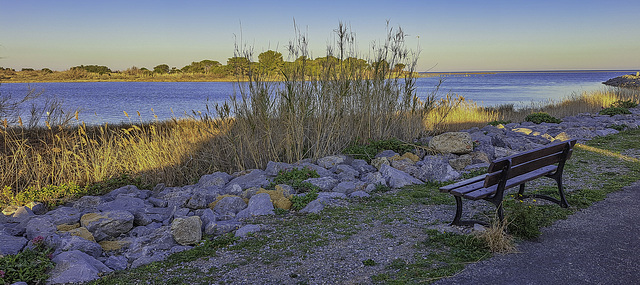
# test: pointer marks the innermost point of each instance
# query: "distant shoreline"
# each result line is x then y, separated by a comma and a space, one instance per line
625, 81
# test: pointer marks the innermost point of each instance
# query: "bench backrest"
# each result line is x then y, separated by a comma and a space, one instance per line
528, 161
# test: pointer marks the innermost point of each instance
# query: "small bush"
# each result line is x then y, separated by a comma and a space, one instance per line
619, 128
624, 104
612, 111
523, 221
538, 118
300, 202
369, 262
370, 149
294, 178
30, 265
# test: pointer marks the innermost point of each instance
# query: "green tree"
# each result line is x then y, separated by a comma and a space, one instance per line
271, 61
399, 67
239, 65
101, 69
162, 68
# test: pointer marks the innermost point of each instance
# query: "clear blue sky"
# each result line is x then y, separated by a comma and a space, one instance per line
452, 35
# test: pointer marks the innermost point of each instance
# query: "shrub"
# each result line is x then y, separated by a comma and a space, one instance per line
538, 118
370, 149
301, 201
294, 178
612, 111
619, 128
624, 104
30, 265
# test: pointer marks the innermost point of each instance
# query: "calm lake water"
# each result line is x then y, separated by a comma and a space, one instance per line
101, 102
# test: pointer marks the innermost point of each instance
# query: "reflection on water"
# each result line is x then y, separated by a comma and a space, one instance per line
101, 102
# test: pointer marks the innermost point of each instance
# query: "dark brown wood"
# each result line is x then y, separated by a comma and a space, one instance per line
520, 169
516, 159
449, 187
484, 192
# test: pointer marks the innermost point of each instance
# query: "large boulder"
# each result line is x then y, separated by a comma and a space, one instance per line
323, 183
229, 205
39, 226
71, 243
11, 244
259, 204
75, 267
396, 178
187, 231
107, 224
437, 168
329, 162
256, 178
218, 179
453, 142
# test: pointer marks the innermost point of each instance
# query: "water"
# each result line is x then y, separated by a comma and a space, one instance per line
101, 102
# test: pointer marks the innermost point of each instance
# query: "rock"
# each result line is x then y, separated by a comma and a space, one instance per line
200, 200
107, 224
207, 217
187, 231
217, 179
453, 142
401, 163
378, 162
229, 205
396, 178
256, 178
386, 154
88, 203
83, 233
222, 227
9, 210
362, 166
75, 267
503, 152
71, 243
273, 168
123, 203
315, 206
259, 205
39, 226
116, 262
37, 207
479, 157
64, 215
375, 178
23, 213
461, 162
359, 194
602, 133
346, 172
113, 245
331, 161
244, 231
160, 203
10, 244
331, 195
436, 168
323, 183
278, 198
129, 191
345, 187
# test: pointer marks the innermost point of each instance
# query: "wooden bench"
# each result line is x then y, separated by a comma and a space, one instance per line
511, 171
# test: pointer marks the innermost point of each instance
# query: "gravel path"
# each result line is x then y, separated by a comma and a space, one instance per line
598, 245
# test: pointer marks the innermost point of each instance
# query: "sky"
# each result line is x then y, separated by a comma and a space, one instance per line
450, 35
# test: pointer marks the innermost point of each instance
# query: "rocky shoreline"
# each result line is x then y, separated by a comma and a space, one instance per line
625, 81
130, 227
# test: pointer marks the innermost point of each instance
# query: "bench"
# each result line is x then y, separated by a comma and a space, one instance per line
511, 171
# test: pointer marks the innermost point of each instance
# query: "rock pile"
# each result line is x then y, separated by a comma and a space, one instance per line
130, 227
626, 81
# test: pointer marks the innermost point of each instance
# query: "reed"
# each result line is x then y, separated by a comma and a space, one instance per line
310, 114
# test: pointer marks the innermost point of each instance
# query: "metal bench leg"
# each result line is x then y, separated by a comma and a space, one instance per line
456, 219
563, 200
521, 191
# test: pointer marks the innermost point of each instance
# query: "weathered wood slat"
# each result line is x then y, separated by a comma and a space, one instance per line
448, 188
516, 159
520, 169
514, 181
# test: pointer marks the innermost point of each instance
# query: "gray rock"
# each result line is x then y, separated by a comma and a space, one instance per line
22, 213
323, 183
11, 244
315, 206
157, 202
116, 262
378, 162
362, 166
396, 178
129, 190
207, 217
75, 267
222, 227
331, 161
149, 258
346, 172
345, 187
503, 152
359, 194
606, 132
187, 231
218, 179
200, 200
436, 168
331, 195
71, 243
64, 215
375, 178
323, 172
273, 168
256, 178
88, 203
244, 231
259, 205
37, 207
123, 203
107, 224
461, 162
232, 204
39, 226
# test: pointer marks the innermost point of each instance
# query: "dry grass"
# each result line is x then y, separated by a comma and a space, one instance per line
308, 115
497, 238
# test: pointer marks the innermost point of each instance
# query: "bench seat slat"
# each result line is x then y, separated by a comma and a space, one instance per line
515, 181
450, 187
516, 159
